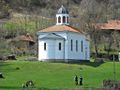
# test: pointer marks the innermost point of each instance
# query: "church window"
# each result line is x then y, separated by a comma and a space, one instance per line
76, 45
44, 46
60, 46
59, 19
81, 46
71, 45
67, 20
63, 19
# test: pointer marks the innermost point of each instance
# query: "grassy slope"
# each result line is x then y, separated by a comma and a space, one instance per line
54, 75
30, 23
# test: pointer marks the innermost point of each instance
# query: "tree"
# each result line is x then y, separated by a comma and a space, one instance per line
113, 9
92, 12
116, 38
4, 9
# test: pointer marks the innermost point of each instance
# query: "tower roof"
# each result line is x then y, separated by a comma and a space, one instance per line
62, 10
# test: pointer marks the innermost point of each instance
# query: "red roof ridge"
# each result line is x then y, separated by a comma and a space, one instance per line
75, 28
111, 24
60, 28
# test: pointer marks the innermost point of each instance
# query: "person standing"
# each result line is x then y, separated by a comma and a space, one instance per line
76, 79
81, 80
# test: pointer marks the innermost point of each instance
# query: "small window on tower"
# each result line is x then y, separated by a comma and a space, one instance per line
63, 19
59, 19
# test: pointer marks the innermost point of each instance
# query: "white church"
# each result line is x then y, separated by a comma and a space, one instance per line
62, 42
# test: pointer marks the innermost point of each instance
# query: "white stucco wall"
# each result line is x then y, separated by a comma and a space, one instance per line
52, 48
78, 55
59, 54
87, 50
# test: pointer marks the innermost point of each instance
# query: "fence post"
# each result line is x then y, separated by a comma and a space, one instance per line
114, 67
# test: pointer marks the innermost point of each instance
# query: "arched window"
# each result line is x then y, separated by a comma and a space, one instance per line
63, 19
67, 20
71, 44
59, 19
60, 46
76, 45
44, 46
81, 46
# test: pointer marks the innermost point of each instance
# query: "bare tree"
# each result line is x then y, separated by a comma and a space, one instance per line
92, 12
116, 38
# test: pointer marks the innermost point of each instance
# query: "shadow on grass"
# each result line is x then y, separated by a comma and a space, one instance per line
10, 88
6, 67
42, 88
20, 88
92, 64
2, 63
88, 63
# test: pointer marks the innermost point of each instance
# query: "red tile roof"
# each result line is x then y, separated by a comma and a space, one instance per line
112, 24
56, 28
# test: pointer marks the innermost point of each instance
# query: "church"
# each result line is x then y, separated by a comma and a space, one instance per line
62, 42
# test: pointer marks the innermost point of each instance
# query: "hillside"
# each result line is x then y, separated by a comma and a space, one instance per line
42, 6
55, 76
18, 17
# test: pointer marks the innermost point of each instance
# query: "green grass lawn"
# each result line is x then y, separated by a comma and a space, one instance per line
54, 75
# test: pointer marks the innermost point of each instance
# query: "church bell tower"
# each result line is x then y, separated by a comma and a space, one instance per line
62, 16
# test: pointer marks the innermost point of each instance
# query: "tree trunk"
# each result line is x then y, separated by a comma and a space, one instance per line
109, 48
95, 46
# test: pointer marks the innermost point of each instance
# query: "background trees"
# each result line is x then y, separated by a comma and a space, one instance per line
33, 15
4, 9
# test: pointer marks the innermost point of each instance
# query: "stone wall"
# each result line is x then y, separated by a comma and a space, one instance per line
111, 84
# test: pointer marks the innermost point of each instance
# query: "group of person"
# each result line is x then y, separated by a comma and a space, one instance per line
28, 83
1, 75
78, 81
